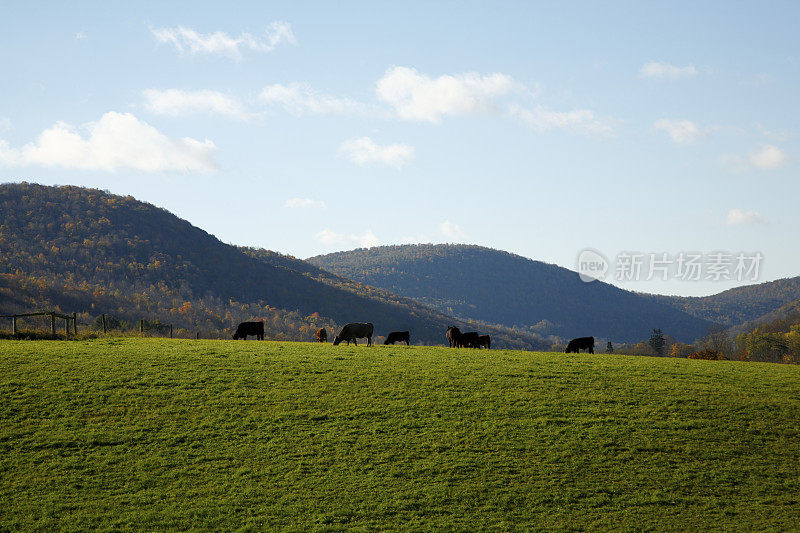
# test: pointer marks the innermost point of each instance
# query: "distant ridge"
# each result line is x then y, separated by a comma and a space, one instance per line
740, 304
499, 287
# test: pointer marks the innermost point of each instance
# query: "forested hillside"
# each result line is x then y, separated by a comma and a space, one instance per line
92, 252
775, 337
484, 284
772, 338
740, 304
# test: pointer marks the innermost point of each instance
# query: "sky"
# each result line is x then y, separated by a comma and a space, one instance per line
539, 128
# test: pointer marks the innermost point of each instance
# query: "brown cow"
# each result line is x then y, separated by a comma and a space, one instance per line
322, 335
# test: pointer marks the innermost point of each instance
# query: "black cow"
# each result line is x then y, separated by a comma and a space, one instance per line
581, 343
469, 339
249, 328
322, 335
454, 337
484, 340
354, 331
398, 336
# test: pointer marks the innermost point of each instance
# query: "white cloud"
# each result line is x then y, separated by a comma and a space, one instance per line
451, 230
582, 121
363, 151
80, 36
416, 96
304, 203
738, 217
680, 131
300, 99
188, 40
331, 238
655, 69
174, 102
116, 141
768, 158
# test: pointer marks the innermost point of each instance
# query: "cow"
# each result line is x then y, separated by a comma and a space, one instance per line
581, 343
469, 339
322, 335
354, 331
484, 340
398, 336
249, 328
454, 337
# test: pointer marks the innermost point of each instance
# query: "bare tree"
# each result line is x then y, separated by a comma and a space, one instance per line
719, 340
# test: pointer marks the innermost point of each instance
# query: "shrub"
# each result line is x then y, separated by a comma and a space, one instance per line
680, 349
708, 355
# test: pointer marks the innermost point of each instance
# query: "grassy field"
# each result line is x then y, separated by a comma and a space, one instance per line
156, 434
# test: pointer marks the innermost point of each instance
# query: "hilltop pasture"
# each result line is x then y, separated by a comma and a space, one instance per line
152, 434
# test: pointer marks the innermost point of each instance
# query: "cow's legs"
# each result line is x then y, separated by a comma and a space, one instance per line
369, 341
354, 341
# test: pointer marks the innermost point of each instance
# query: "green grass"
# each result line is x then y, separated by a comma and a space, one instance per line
156, 434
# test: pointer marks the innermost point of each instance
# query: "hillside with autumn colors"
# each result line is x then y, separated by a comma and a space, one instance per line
92, 252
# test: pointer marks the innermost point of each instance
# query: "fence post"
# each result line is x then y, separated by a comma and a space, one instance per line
66, 326
14, 324
141, 326
170, 331
104, 322
197, 335
53, 324
74, 322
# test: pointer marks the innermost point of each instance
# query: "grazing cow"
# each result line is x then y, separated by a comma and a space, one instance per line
454, 337
581, 343
484, 340
249, 328
469, 339
398, 336
322, 335
354, 331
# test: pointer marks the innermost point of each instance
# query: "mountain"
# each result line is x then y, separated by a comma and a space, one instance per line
738, 305
92, 252
474, 282
780, 319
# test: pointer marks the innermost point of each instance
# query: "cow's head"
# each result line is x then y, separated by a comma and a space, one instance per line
337, 340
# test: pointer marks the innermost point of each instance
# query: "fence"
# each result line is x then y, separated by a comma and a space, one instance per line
53, 315
144, 325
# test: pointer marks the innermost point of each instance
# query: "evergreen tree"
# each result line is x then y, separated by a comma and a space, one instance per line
657, 342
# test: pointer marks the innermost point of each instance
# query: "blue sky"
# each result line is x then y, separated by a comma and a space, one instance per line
536, 128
